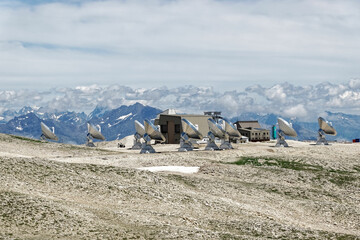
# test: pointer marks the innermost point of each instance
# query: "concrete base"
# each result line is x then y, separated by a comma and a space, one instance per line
281, 143
136, 146
322, 141
226, 146
185, 146
145, 148
90, 143
211, 146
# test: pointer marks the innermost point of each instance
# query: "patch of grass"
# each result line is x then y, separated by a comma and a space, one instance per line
269, 161
338, 177
26, 139
357, 168
342, 179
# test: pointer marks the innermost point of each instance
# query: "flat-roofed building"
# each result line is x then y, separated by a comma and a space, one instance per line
253, 131
171, 126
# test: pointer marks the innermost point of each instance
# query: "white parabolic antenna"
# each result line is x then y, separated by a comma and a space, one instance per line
324, 128
231, 133
285, 128
215, 131
94, 132
189, 131
47, 133
140, 132
231, 129
140, 129
151, 132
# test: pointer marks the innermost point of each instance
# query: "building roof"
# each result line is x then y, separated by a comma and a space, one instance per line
180, 116
248, 124
169, 111
253, 129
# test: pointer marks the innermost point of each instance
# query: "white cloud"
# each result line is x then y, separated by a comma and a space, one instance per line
155, 43
297, 111
276, 93
305, 102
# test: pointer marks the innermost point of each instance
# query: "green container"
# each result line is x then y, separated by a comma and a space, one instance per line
273, 132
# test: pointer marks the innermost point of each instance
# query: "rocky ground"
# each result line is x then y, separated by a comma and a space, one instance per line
256, 191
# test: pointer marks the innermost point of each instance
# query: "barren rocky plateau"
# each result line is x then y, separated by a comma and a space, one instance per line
255, 191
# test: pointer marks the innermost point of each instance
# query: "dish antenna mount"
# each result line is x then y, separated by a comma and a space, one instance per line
189, 132
46, 133
140, 132
93, 133
324, 128
230, 133
285, 129
151, 132
216, 131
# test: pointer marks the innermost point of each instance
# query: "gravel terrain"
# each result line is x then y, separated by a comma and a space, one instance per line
256, 191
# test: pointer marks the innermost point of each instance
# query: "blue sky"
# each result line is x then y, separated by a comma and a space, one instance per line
225, 44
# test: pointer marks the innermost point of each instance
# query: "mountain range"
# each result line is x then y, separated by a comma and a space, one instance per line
346, 125
71, 127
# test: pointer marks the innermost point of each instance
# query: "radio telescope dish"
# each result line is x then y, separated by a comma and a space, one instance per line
324, 128
285, 129
46, 133
230, 133
216, 131
140, 129
140, 132
231, 129
93, 133
151, 132
189, 131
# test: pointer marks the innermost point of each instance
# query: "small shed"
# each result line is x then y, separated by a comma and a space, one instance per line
171, 126
253, 131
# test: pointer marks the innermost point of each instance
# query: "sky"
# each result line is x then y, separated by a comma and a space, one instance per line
227, 46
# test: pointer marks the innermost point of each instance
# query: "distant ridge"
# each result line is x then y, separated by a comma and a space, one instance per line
70, 127
117, 123
347, 125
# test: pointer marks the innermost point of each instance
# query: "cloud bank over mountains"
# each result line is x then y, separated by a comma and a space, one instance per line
288, 100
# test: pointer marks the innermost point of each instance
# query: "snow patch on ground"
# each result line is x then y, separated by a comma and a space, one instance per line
180, 169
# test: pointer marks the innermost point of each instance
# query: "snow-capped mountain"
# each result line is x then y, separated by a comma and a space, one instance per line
98, 112
23, 126
8, 114
117, 123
